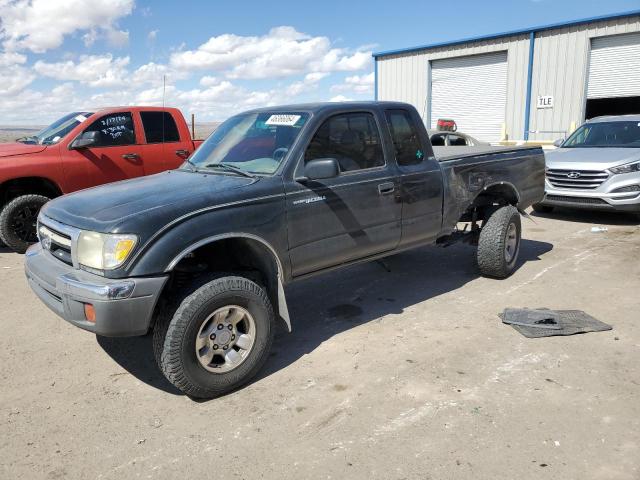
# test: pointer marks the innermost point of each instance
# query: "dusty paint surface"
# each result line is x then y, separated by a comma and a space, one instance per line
387, 375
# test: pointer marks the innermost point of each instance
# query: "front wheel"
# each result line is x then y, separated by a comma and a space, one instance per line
218, 338
499, 243
18, 221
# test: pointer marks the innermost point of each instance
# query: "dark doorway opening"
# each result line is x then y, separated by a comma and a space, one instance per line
597, 107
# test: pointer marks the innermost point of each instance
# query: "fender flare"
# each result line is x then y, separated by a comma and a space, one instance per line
283, 310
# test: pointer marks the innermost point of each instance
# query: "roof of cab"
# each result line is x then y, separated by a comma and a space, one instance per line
323, 106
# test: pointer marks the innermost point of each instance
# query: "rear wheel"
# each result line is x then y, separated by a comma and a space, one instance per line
538, 207
218, 338
18, 221
499, 243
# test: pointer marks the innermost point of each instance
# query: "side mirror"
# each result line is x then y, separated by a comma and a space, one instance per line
86, 139
322, 168
558, 142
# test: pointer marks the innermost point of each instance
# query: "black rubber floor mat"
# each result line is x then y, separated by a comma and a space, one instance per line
542, 322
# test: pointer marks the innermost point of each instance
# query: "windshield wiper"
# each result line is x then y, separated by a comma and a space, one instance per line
230, 168
193, 166
29, 139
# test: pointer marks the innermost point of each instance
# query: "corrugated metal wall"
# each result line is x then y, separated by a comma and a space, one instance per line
405, 77
560, 70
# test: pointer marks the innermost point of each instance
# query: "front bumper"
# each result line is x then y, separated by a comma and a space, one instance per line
605, 197
65, 290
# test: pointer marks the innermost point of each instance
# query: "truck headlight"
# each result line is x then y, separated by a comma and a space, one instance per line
104, 251
628, 168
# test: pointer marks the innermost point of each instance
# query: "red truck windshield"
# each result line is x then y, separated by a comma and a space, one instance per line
57, 130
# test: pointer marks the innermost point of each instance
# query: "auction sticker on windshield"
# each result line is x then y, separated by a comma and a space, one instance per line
283, 119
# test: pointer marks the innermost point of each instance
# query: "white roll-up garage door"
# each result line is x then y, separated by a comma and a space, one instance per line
614, 67
472, 91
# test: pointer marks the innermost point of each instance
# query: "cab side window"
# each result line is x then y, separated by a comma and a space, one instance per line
159, 127
405, 138
114, 129
352, 139
457, 141
437, 141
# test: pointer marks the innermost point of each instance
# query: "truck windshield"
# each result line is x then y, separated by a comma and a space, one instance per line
256, 143
606, 134
57, 130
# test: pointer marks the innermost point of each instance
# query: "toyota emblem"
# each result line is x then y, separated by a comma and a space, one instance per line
573, 175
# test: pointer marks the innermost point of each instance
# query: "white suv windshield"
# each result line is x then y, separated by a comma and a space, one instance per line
606, 134
251, 142
57, 130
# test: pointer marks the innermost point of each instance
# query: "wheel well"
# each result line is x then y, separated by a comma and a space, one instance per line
28, 186
493, 196
238, 255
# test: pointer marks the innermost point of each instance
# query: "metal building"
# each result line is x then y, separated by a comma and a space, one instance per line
534, 84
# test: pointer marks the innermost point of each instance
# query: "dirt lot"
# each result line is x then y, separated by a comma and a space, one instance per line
407, 374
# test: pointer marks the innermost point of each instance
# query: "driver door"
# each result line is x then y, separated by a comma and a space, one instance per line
353, 215
114, 157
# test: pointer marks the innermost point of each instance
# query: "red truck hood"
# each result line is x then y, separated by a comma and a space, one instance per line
16, 148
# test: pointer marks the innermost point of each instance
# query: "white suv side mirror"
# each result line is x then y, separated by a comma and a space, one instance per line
558, 142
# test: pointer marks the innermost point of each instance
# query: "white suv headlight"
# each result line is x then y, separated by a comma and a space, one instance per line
627, 168
104, 251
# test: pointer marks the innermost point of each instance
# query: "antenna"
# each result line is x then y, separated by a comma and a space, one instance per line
164, 88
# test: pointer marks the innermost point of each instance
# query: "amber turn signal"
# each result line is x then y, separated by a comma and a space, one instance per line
90, 313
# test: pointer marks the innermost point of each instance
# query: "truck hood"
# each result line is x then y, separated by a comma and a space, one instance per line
17, 148
160, 198
590, 158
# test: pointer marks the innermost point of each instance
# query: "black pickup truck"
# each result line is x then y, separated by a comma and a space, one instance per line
201, 254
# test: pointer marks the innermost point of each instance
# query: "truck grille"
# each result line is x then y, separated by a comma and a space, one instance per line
580, 200
576, 179
56, 242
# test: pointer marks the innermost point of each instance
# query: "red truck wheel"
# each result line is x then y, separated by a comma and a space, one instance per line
18, 221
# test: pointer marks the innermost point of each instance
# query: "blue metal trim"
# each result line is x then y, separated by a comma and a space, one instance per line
527, 106
375, 81
541, 28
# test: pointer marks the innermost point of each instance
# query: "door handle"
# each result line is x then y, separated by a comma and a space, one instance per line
386, 188
130, 156
182, 153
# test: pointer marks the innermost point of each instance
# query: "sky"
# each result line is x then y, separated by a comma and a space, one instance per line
219, 57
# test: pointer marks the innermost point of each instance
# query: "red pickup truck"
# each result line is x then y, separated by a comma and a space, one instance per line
81, 150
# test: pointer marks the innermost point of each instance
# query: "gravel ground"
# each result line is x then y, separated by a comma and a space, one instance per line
406, 374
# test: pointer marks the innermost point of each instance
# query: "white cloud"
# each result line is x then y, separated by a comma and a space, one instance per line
8, 59
14, 79
92, 70
153, 73
282, 52
360, 84
41, 25
37, 108
152, 35
340, 98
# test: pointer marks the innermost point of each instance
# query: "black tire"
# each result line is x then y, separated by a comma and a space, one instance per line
494, 259
174, 336
537, 207
18, 221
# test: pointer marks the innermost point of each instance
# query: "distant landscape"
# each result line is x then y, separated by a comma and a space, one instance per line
11, 133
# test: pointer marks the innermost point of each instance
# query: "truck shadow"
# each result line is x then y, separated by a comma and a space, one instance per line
329, 304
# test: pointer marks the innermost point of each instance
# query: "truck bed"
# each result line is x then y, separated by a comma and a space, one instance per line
467, 171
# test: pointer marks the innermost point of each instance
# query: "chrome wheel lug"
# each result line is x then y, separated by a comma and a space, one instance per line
230, 327
215, 347
225, 347
220, 326
213, 336
233, 337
